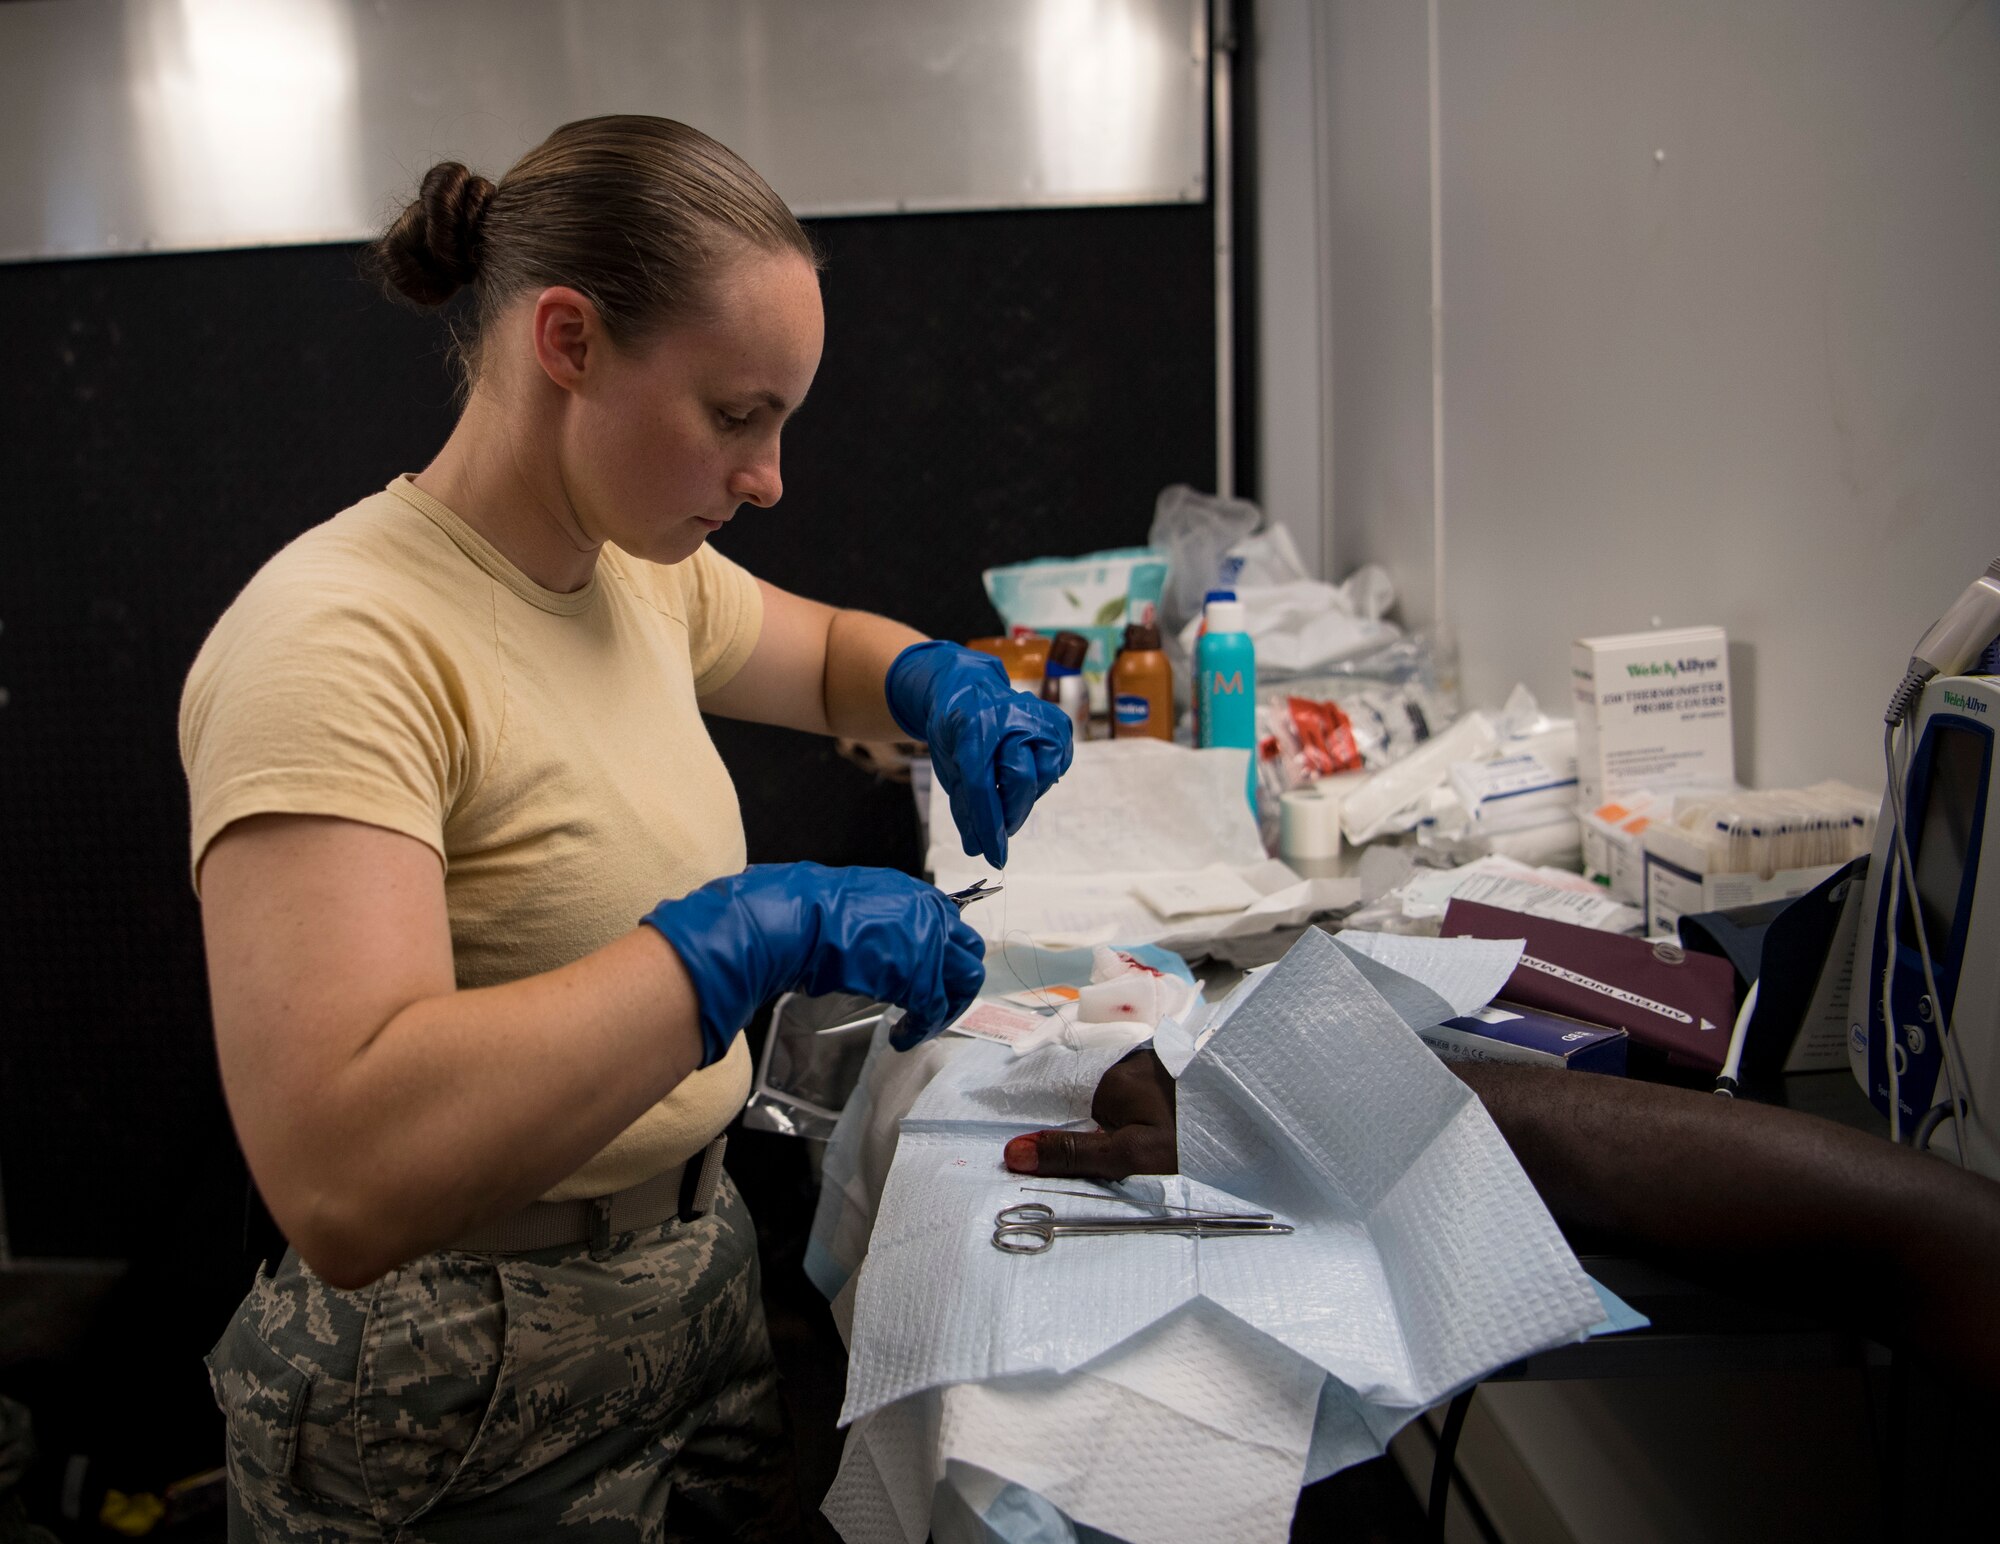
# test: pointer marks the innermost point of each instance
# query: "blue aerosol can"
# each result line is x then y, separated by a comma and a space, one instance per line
1225, 663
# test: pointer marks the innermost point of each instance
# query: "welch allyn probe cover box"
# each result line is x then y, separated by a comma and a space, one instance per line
1507, 1032
1652, 711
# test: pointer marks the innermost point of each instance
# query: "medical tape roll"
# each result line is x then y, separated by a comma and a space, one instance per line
1309, 836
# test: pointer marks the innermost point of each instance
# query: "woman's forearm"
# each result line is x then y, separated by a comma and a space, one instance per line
860, 647
465, 1106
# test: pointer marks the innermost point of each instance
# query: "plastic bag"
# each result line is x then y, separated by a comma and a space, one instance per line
1262, 561
1398, 662
804, 1077
1300, 627
1303, 738
1196, 531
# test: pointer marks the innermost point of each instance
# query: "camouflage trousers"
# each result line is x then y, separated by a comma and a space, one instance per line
527, 1396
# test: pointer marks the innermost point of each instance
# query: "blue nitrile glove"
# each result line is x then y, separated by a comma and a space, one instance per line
995, 749
779, 926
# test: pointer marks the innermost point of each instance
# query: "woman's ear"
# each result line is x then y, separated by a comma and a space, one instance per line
568, 336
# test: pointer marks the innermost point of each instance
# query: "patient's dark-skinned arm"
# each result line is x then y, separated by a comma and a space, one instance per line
1764, 1202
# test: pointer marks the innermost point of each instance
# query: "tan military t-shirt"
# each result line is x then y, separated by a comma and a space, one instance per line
391, 667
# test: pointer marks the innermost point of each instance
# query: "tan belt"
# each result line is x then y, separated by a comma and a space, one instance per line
687, 1190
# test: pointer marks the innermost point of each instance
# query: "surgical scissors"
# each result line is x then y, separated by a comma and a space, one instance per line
1032, 1228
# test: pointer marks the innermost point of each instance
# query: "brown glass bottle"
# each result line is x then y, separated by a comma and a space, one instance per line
1063, 683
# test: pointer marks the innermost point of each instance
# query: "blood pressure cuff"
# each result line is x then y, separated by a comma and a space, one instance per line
1676, 1007
1785, 945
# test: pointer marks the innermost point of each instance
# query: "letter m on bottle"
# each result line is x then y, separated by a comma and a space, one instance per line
1228, 685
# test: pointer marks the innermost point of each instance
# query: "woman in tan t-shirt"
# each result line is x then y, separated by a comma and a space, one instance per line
444, 753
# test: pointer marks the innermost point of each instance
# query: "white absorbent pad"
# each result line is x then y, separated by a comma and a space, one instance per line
1195, 1429
1424, 1258
1424, 980
855, 1166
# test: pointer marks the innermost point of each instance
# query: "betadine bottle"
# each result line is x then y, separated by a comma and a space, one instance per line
1226, 684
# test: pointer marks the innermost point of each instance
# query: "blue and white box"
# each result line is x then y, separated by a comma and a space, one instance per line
1504, 1032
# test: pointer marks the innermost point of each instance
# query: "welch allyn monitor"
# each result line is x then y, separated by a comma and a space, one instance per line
1926, 1048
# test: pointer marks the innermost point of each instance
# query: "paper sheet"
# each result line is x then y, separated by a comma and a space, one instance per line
1467, 979
1540, 892
1129, 816
1107, 1443
1124, 807
855, 1167
1075, 912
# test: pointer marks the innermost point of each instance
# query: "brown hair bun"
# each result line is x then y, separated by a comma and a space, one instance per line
636, 214
432, 251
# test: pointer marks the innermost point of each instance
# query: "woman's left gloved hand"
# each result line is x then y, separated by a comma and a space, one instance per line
996, 750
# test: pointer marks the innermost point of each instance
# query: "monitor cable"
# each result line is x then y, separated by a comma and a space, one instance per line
1732, 1064
1903, 884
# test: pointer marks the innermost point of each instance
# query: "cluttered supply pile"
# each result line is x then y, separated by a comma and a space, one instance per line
1273, 783
1621, 816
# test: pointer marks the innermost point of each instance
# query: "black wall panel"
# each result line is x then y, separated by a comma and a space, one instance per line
996, 386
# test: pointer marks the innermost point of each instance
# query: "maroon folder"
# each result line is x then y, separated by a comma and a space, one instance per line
1670, 999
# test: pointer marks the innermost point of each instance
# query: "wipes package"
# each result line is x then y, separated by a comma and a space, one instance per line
1095, 595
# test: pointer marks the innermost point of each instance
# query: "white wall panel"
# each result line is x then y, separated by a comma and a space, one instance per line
1379, 221
1722, 334
1723, 341
1721, 344
1294, 278
151, 125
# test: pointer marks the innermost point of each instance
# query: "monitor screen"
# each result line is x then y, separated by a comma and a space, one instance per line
1944, 830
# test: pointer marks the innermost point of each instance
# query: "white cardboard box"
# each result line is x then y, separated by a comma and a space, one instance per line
1652, 712
1612, 850
1677, 884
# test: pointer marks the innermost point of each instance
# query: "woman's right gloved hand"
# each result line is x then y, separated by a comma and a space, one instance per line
777, 927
